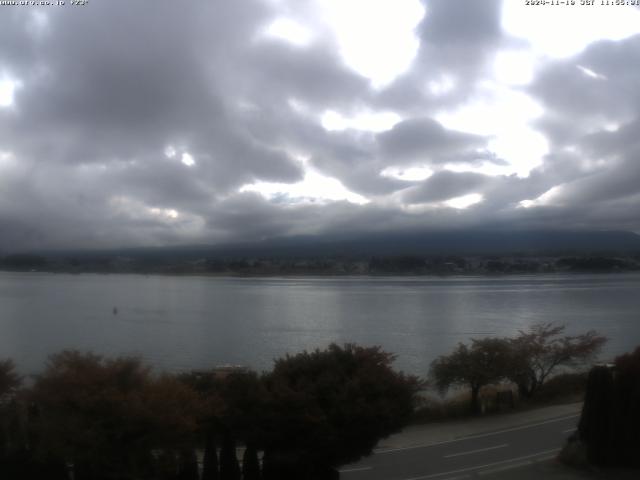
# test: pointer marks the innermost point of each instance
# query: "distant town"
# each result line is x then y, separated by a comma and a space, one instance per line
375, 265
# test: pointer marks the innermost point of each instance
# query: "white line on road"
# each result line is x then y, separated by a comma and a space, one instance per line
355, 469
569, 430
478, 467
481, 435
476, 451
504, 468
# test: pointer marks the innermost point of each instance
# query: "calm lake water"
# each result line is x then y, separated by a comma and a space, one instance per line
178, 323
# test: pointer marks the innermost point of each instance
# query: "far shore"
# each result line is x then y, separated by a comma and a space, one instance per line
327, 275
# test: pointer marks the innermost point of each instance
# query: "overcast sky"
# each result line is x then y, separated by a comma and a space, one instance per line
153, 122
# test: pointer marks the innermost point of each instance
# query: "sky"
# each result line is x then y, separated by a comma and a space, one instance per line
151, 123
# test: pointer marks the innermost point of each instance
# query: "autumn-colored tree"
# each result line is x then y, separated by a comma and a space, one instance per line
543, 349
235, 403
482, 363
170, 411
107, 415
330, 407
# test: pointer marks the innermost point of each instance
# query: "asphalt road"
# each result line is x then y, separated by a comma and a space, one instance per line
472, 456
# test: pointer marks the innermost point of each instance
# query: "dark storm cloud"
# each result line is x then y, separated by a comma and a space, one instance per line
349, 155
444, 185
425, 139
597, 117
564, 87
457, 40
123, 80
616, 179
112, 87
248, 216
313, 74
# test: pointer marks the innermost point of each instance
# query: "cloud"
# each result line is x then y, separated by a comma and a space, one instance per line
91, 101
425, 139
465, 22
445, 186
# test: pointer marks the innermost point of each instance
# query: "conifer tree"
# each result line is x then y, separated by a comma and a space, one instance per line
210, 461
595, 421
250, 464
229, 468
188, 465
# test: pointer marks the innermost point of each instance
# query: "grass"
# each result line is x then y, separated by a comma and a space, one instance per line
561, 389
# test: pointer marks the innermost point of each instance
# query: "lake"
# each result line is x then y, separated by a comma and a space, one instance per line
177, 323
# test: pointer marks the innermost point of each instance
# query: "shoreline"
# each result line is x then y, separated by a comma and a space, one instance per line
293, 275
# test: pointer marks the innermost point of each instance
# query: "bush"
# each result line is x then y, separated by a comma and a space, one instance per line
561, 388
574, 453
330, 407
433, 409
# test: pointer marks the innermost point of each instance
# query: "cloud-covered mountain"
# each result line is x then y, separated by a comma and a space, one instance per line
529, 243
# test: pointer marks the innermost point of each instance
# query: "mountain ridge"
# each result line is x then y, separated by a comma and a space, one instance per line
425, 243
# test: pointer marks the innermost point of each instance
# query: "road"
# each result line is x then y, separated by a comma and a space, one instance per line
471, 456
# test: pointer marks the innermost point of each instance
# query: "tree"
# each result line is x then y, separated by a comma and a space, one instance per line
243, 398
234, 406
10, 437
541, 350
106, 416
17, 461
483, 363
187, 465
610, 422
626, 427
330, 407
597, 414
9, 379
229, 467
210, 460
250, 464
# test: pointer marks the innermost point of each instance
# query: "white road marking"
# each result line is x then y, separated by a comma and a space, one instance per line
569, 430
355, 469
478, 467
476, 451
544, 459
481, 435
504, 468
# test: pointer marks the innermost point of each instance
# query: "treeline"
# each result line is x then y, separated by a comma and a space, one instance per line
88, 417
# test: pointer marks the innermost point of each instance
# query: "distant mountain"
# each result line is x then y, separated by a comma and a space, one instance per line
470, 242
462, 242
